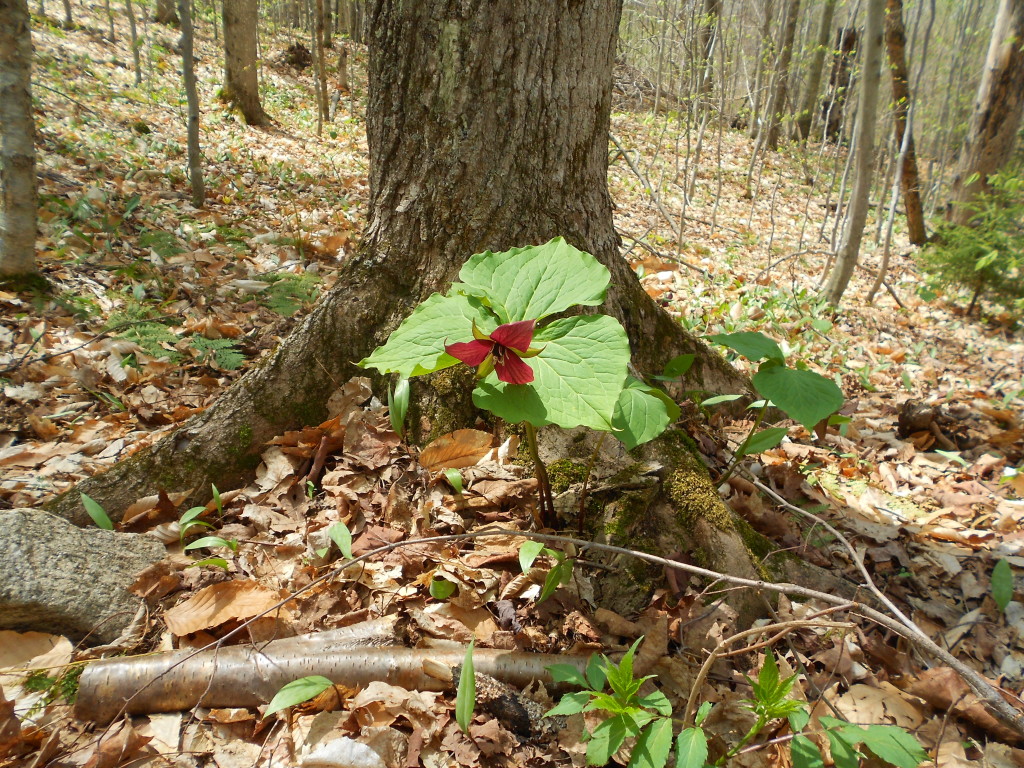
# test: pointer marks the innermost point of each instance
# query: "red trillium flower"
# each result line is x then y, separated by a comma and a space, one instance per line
502, 351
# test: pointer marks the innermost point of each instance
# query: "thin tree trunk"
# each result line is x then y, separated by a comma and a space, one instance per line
895, 43
320, 69
110, 21
997, 111
707, 34
68, 22
765, 51
241, 80
805, 119
195, 158
777, 104
863, 147
134, 33
17, 145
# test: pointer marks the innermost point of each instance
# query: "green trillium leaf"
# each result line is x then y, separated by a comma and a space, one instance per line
578, 377
296, 692
642, 413
534, 282
805, 396
417, 346
752, 345
759, 442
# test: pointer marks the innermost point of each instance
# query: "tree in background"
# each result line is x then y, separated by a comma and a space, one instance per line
997, 111
17, 147
895, 44
188, 69
805, 118
241, 81
166, 13
863, 149
772, 124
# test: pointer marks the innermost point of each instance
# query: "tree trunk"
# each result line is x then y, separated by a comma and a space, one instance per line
839, 82
864, 149
707, 31
17, 146
505, 144
134, 36
320, 68
166, 13
805, 119
195, 157
895, 43
241, 83
997, 111
777, 104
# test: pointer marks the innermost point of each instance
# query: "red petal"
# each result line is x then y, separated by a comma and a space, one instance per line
472, 353
515, 335
512, 370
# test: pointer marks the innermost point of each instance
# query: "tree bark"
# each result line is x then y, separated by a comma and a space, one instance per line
134, 36
805, 119
863, 148
195, 157
17, 146
505, 144
895, 43
773, 119
166, 13
241, 83
997, 111
707, 31
839, 82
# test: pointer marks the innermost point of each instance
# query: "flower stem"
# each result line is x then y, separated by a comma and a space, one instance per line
547, 504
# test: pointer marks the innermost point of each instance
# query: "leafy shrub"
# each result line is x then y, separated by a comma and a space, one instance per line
987, 256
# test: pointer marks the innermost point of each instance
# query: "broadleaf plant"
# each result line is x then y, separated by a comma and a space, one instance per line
570, 371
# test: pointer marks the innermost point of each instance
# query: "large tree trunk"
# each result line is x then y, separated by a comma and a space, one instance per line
241, 83
895, 44
780, 91
864, 149
805, 118
487, 126
997, 111
17, 147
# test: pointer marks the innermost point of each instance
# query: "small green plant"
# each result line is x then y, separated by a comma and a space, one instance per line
560, 573
465, 697
97, 513
570, 372
629, 715
804, 396
987, 256
1002, 584
222, 352
289, 293
190, 520
296, 692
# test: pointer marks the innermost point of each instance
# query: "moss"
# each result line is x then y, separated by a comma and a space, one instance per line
694, 496
564, 473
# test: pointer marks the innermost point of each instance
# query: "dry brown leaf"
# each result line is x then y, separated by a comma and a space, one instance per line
945, 690
218, 603
461, 448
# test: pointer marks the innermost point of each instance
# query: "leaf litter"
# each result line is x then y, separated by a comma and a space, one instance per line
158, 306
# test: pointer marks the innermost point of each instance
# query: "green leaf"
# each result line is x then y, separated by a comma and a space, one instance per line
296, 692
578, 377
821, 325
191, 515
761, 441
441, 589
454, 478
642, 413
652, 747
219, 562
212, 541
657, 701
567, 673
398, 405
799, 719
536, 281
702, 712
1002, 584
752, 345
596, 677
570, 704
805, 396
342, 536
894, 745
465, 698
805, 753
528, 553
844, 754
720, 399
953, 456
217, 500
558, 575
416, 347
608, 737
97, 513
676, 367
692, 747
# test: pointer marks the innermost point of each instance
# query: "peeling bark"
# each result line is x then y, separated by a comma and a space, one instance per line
487, 128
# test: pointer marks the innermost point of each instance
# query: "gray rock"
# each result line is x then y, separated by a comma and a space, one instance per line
71, 581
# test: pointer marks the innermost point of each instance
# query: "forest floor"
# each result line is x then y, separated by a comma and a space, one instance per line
157, 307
